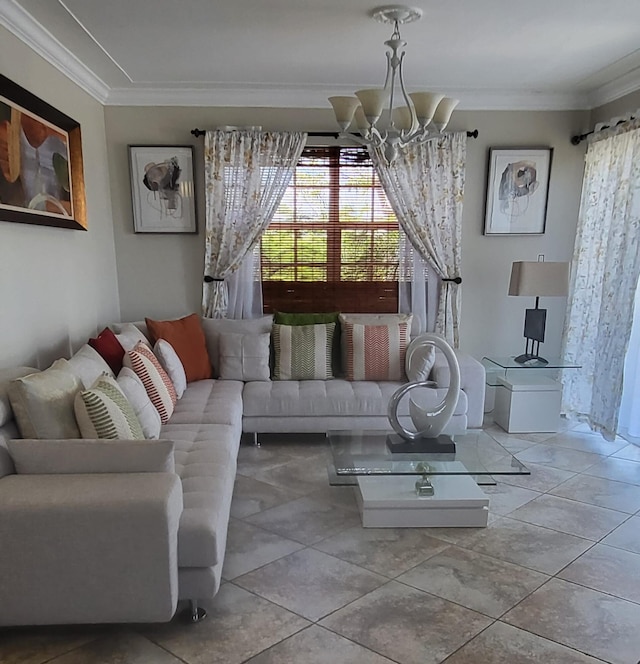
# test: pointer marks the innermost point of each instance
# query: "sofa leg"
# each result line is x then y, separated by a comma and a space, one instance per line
196, 613
256, 442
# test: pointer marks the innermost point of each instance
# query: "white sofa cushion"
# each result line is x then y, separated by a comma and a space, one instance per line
103, 412
330, 398
244, 356
43, 402
206, 447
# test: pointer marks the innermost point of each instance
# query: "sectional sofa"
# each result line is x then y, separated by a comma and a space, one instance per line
96, 531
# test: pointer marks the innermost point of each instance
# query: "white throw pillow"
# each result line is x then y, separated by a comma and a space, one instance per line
172, 364
214, 328
6, 376
244, 356
129, 335
43, 402
137, 396
104, 412
419, 365
88, 365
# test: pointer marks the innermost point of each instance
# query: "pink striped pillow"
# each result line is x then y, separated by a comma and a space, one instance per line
155, 379
375, 352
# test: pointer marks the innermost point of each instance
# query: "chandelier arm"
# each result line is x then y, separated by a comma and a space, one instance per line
414, 128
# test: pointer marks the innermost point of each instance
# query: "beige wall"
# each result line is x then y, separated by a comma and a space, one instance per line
161, 275
630, 102
57, 286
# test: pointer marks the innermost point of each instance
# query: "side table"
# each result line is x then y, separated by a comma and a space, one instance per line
526, 398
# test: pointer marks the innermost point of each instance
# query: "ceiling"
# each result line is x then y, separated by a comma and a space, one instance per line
491, 54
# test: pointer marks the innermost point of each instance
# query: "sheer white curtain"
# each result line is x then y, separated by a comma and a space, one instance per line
419, 288
425, 186
606, 266
246, 175
629, 420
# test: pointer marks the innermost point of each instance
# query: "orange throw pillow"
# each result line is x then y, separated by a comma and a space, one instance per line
187, 338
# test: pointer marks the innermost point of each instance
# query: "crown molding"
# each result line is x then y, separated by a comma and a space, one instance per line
20, 23
273, 96
621, 86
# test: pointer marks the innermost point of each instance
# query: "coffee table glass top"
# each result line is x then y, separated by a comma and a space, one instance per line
367, 453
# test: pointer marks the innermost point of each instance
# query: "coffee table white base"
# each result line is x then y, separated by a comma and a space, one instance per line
392, 502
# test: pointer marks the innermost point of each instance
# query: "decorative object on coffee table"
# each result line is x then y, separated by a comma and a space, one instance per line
429, 424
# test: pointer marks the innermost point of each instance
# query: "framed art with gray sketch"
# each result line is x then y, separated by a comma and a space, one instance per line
162, 188
517, 191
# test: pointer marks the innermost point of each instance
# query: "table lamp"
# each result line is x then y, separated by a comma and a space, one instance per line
537, 279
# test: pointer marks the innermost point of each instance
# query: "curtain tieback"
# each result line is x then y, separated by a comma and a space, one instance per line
209, 279
457, 280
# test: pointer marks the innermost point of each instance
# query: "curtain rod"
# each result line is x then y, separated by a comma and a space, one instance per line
578, 138
201, 132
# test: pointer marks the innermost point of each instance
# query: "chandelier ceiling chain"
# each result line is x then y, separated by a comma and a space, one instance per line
380, 122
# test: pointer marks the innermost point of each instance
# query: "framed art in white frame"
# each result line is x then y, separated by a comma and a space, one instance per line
517, 191
162, 188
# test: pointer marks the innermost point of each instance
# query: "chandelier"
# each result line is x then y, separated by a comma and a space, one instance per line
420, 116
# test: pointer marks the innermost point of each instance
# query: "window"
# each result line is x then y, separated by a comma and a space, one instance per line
333, 242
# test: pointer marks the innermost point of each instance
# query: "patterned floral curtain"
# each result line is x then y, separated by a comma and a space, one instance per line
246, 175
606, 266
425, 186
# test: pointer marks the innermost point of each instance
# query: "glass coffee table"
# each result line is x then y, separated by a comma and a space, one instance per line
419, 489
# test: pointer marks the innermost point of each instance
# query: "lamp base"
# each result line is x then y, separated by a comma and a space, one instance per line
529, 358
442, 444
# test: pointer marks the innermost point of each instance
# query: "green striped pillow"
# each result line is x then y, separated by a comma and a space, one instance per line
104, 412
303, 352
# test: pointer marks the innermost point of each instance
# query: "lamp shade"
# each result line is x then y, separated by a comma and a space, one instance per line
372, 101
344, 108
425, 104
443, 112
539, 279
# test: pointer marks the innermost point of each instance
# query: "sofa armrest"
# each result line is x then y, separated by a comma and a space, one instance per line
472, 382
92, 548
83, 455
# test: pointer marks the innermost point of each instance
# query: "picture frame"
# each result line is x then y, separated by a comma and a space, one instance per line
41, 174
517, 191
162, 188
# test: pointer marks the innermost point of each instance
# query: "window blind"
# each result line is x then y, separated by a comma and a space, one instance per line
333, 242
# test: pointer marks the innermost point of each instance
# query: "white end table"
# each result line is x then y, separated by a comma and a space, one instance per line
525, 398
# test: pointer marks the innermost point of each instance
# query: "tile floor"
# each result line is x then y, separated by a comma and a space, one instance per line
554, 578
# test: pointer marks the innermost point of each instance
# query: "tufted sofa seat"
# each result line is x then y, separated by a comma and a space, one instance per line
318, 405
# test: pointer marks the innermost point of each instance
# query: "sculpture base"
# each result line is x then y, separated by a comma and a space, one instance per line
439, 445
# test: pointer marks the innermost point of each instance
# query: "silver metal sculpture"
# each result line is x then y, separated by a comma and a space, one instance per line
428, 423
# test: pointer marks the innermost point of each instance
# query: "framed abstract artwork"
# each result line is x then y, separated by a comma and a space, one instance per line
517, 191
162, 188
41, 172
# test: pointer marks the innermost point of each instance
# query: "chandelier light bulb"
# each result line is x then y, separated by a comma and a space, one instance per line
390, 118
